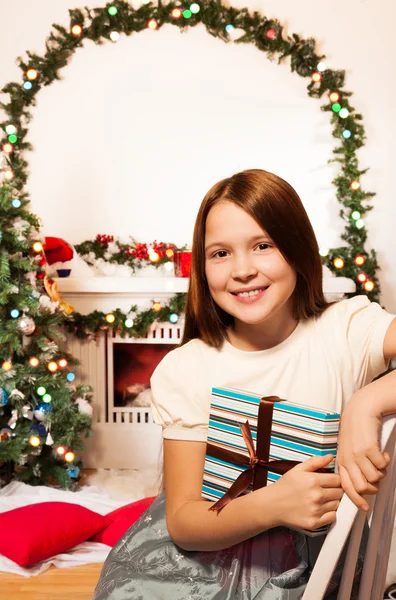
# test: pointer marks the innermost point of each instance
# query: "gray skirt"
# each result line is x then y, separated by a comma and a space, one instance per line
146, 564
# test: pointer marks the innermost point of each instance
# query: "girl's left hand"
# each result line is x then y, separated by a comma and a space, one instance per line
361, 464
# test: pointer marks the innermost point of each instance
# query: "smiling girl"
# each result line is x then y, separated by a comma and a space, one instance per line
257, 320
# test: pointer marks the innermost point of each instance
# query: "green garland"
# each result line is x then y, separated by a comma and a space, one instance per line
100, 24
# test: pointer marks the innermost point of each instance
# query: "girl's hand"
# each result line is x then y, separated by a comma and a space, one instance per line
361, 464
309, 499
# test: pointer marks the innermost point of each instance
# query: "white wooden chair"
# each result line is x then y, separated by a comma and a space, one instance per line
350, 520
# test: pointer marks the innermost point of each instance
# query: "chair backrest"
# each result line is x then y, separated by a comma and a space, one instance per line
350, 521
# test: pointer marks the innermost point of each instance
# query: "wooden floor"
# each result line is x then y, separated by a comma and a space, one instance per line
74, 583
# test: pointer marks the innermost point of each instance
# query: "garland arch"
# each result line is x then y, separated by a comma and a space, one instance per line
119, 17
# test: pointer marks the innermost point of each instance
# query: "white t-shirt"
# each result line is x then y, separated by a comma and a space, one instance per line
321, 364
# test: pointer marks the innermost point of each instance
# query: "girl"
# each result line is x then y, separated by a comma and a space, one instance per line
257, 320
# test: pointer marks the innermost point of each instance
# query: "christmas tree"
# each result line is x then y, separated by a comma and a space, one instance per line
43, 413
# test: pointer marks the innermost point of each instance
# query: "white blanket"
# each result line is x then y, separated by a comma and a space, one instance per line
17, 494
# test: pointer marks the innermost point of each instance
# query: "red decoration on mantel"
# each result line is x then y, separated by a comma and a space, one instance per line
182, 262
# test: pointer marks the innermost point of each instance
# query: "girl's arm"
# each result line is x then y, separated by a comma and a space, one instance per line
301, 498
361, 464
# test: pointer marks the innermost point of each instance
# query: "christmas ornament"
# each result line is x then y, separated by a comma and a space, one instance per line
41, 410
39, 429
73, 472
3, 397
26, 325
6, 434
49, 441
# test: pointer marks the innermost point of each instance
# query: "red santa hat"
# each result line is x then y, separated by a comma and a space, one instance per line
57, 250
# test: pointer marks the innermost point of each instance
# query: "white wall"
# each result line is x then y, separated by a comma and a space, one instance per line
135, 133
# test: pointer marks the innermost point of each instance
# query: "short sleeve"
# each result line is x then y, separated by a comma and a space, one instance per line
367, 324
177, 401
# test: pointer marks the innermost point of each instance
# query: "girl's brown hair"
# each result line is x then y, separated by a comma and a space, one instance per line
277, 208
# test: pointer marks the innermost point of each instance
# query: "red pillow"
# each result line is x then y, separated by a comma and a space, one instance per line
120, 520
35, 532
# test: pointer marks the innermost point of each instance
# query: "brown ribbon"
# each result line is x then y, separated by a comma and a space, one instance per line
258, 463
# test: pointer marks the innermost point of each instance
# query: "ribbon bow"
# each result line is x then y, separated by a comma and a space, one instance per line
258, 463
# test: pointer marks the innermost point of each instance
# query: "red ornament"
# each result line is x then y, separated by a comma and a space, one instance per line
271, 34
182, 261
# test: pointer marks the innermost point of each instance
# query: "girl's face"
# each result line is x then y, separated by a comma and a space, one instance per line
247, 275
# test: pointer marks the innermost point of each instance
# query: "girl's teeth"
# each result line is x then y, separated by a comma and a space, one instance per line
247, 294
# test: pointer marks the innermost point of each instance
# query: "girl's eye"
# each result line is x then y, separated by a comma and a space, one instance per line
263, 246
220, 254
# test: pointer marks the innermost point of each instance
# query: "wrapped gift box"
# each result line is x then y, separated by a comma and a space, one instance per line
288, 432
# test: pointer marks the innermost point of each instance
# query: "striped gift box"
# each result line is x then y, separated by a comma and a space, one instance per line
297, 433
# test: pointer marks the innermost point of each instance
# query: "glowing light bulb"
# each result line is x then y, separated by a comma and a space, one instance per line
334, 96
195, 8
323, 251
6, 366
359, 260
110, 318
354, 185
61, 450
169, 252
34, 441
361, 277
346, 134
76, 30
8, 148
32, 74
10, 129
321, 67
114, 36
336, 107
316, 77
359, 223
8, 175
69, 456
16, 203
27, 85
34, 362
37, 247
176, 13
338, 263
15, 313
356, 215
187, 13
229, 28
62, 363
47, 398
41, 390
52, 366
128, 323
70, 377
152, 24
174, 318
112, 10
369, 286
157, 306
271, 34
153, 256
344, 112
